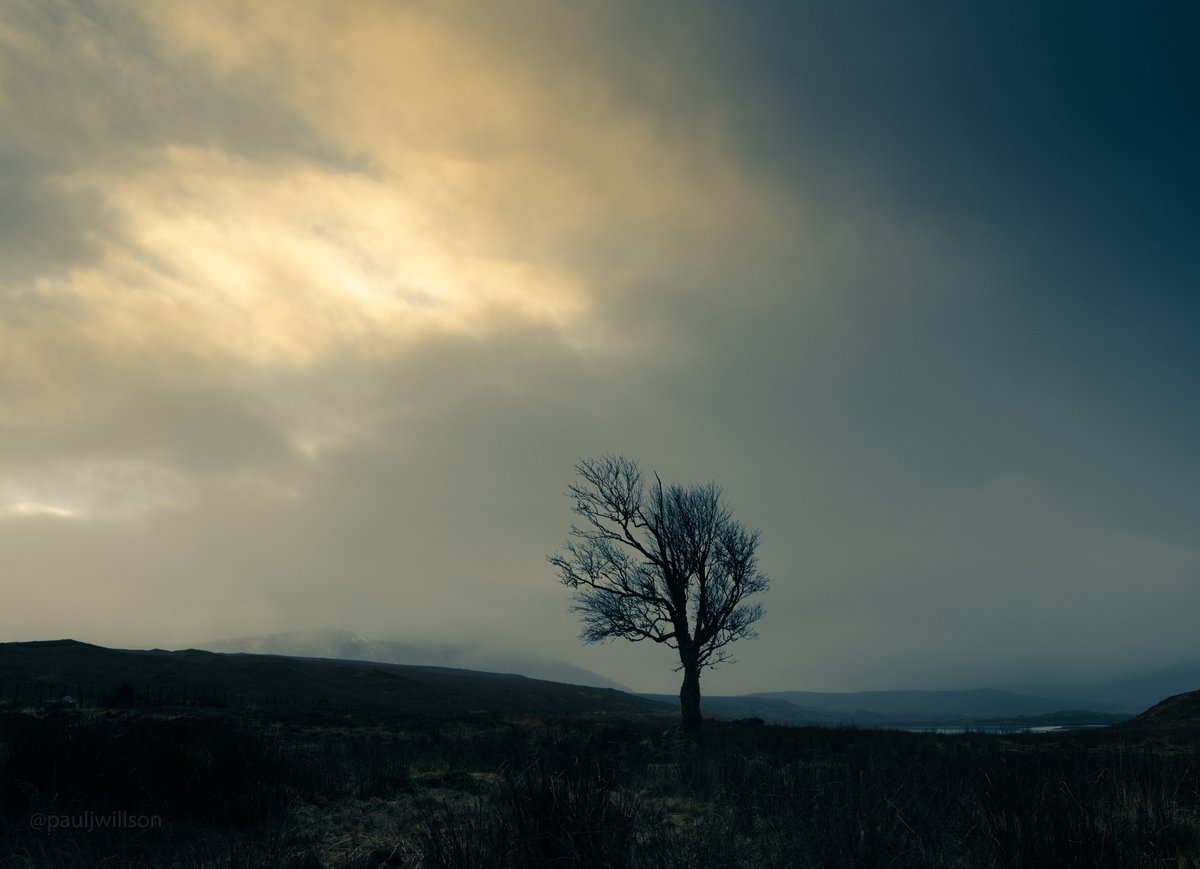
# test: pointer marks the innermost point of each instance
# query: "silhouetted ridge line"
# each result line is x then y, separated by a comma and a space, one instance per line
157, 676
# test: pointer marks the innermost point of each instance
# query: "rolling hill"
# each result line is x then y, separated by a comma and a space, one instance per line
267, 680
349, 646
1180, 712
343, 676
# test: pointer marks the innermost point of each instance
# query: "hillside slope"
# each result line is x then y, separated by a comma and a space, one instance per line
1181, 712
349, 646
304, 682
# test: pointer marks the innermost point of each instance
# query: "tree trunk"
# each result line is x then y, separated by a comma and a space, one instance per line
689, 696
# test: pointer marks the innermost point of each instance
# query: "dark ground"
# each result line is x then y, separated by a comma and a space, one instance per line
188, 787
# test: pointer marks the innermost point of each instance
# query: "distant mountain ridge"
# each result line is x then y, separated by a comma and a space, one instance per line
348, 646
979, 707
966, 704
1101, 701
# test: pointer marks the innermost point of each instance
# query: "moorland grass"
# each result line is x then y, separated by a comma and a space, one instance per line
285, 789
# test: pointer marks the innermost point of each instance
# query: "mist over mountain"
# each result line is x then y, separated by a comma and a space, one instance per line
1121, 696
348, 646
1131, 692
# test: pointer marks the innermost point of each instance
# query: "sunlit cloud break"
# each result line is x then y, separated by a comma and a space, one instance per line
32, 509
213, 255
107, 491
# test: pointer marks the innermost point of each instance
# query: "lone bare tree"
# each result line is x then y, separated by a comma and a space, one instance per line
668, 565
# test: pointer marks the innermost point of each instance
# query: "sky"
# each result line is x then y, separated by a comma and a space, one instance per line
309, 309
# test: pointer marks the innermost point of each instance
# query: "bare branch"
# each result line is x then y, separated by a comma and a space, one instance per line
668, 564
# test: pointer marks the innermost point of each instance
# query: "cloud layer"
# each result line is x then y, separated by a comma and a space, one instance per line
308, 310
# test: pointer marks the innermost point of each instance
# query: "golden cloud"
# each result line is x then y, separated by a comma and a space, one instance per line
108, 490
474, 171
266, 264
482, 161
511, 117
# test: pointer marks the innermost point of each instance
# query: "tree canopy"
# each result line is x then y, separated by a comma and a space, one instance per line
667, 564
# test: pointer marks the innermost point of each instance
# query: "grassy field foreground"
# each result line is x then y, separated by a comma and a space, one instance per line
222, 789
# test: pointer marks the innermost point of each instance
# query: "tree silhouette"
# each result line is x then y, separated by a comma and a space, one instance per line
669, 565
